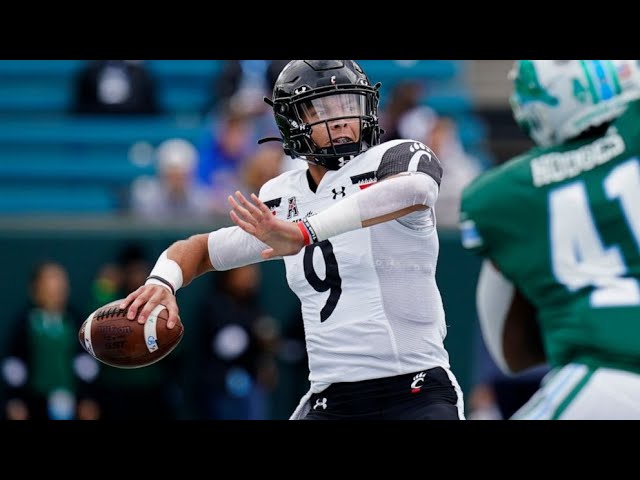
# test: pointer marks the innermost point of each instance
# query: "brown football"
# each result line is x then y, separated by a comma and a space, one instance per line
113, 339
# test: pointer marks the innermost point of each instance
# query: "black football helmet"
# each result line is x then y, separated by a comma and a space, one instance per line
303, 87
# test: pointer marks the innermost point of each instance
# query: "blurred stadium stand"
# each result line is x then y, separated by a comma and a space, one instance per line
53, 162
489, 81
446, 92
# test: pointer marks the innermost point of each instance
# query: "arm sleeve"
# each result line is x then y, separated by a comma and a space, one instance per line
232, 247
383, 198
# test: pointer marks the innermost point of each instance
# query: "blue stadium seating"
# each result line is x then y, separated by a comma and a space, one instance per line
96, 130
395, 70
38, 69
33, 198
52, 162
68, 170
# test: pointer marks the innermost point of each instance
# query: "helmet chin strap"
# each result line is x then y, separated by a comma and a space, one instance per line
333, 163
343, 149
337, 156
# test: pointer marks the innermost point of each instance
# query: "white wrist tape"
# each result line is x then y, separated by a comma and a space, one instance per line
381, 199
167, 269
339, 218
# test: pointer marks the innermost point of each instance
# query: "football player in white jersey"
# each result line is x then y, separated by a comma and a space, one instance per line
357, 233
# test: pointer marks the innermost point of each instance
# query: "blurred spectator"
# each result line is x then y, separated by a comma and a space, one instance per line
175, 192
244, 83
265, 164
239, 118
404, 96
222, 152
236, 349
47, 374
114, 87
441, 135
149, 393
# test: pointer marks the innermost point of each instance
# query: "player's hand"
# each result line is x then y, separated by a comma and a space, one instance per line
148, 297
255, 218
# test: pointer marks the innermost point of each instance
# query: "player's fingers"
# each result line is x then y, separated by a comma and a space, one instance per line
261, 205
247, 227
130, 298
242, 212
160, 296
143, 294
174, 315
246, 210
251, 208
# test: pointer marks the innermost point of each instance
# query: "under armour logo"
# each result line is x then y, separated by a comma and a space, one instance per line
335, 193
321, 402
342, 161
418, 380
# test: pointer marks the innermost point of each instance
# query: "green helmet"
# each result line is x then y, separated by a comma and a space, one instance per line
556, 100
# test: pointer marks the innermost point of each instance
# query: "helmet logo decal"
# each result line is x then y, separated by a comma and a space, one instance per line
301, 89
528, 86
579, 91
333, 80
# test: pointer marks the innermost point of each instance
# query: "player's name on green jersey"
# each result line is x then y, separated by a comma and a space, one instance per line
558, 166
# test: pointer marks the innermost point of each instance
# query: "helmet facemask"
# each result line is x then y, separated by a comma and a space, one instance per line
312, 98
332, 127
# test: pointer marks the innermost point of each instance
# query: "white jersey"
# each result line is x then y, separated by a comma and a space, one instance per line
370, 303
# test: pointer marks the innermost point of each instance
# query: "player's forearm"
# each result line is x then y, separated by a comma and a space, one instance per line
387, 200
192, 255
182, 262
231, 247
507, 321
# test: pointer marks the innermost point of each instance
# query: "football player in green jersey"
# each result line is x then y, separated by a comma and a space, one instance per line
559, 230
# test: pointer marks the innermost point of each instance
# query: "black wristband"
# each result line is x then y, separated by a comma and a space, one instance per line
166, 282
312, 232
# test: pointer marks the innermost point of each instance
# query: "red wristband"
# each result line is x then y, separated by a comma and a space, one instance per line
305, 233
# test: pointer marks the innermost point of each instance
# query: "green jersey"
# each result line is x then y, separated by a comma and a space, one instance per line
563, 224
